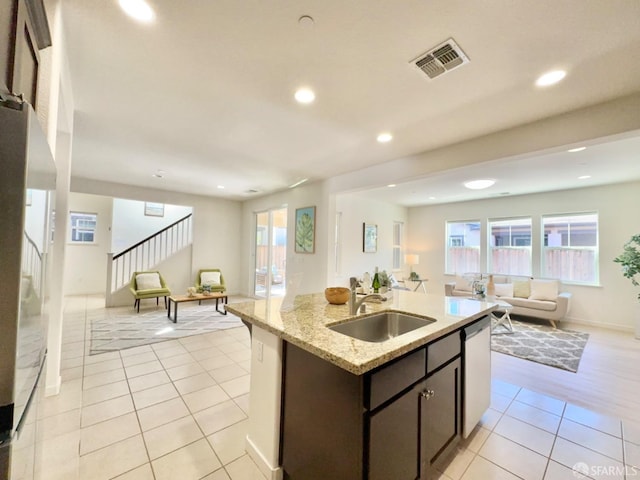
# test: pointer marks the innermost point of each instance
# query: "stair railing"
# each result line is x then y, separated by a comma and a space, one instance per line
32, 263
146, 254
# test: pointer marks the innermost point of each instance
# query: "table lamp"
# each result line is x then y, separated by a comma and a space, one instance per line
412, 260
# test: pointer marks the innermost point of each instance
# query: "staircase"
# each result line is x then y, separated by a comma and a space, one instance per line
146, 254
32, 265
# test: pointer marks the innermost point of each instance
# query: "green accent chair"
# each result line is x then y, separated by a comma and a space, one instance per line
148, 285
215, 288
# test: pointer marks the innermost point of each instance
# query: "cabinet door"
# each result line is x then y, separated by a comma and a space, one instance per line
440, 410
393, 440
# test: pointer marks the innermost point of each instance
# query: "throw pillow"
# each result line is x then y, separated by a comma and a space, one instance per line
210, 278
504, 289
463, 284
148, 281
544, 290
521, 288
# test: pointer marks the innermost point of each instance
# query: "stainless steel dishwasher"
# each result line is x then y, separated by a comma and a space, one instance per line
477, 373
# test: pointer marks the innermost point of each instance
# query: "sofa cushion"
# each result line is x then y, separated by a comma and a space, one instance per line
148, 281
544, 290
533, 304
210, 278
521, 288
463, 284
503, 289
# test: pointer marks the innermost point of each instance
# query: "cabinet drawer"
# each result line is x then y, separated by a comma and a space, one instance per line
392, 379
443, 350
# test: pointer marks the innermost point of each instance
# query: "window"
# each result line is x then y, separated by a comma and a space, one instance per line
510, 246
463, 247
398, 234
83, 227
570, 247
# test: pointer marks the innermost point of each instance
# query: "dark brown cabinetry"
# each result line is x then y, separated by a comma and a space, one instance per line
392, 423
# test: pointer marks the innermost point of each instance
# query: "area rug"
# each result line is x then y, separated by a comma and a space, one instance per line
541, 343
120, 331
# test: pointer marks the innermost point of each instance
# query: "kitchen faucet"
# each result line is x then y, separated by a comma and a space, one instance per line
354, 304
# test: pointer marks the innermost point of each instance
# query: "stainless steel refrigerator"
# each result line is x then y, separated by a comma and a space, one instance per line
27, 182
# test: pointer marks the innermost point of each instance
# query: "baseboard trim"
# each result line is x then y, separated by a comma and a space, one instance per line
605, 326
51, 390
263, 465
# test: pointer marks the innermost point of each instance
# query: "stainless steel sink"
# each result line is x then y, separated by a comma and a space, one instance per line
381, 327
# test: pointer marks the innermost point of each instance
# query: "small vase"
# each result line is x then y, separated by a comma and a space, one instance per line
491, 287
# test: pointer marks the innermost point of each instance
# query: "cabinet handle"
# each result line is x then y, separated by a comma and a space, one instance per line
427, 394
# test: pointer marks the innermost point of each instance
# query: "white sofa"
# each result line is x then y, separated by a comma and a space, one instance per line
530, 297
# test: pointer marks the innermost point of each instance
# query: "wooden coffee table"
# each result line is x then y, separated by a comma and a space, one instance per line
199, 297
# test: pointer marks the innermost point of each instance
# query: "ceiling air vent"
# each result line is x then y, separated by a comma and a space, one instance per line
441, 59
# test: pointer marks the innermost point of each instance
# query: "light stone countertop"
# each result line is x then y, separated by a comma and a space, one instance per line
304, 324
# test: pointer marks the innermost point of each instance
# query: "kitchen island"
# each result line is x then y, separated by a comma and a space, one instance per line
326, 405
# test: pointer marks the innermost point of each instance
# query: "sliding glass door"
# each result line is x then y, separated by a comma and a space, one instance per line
271, 253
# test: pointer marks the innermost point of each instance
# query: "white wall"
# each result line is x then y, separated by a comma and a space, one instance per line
352, 261
216, 227
130, 225
86, 264
610, 305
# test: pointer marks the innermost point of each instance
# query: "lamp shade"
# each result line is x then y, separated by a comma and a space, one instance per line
412, 259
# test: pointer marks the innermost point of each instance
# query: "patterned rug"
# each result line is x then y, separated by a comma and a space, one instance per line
117, 331
541, 343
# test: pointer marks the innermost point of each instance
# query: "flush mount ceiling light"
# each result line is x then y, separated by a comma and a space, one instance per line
305, 95
138, 10
550, 78
479, 184
577, 149
298, 183
384, 137
221, 187
584, 177
159, 174
391, 185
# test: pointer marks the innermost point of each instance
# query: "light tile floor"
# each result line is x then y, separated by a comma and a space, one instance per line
179, 409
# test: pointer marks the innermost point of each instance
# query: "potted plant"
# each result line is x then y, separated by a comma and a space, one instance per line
630, 261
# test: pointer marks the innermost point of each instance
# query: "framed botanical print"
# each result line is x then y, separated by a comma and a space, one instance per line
305, 230
369, 238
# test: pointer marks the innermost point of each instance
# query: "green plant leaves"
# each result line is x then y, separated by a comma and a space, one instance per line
304, 233
630, 260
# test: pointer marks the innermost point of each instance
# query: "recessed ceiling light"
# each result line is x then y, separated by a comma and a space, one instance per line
578, 149
479, 184
137, 9
584, 177
221, 187
391, 185
306, 21
385, 137
432, 198
157, 175
305, 95
550, 78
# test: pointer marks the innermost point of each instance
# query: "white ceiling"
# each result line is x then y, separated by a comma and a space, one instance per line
205, 93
